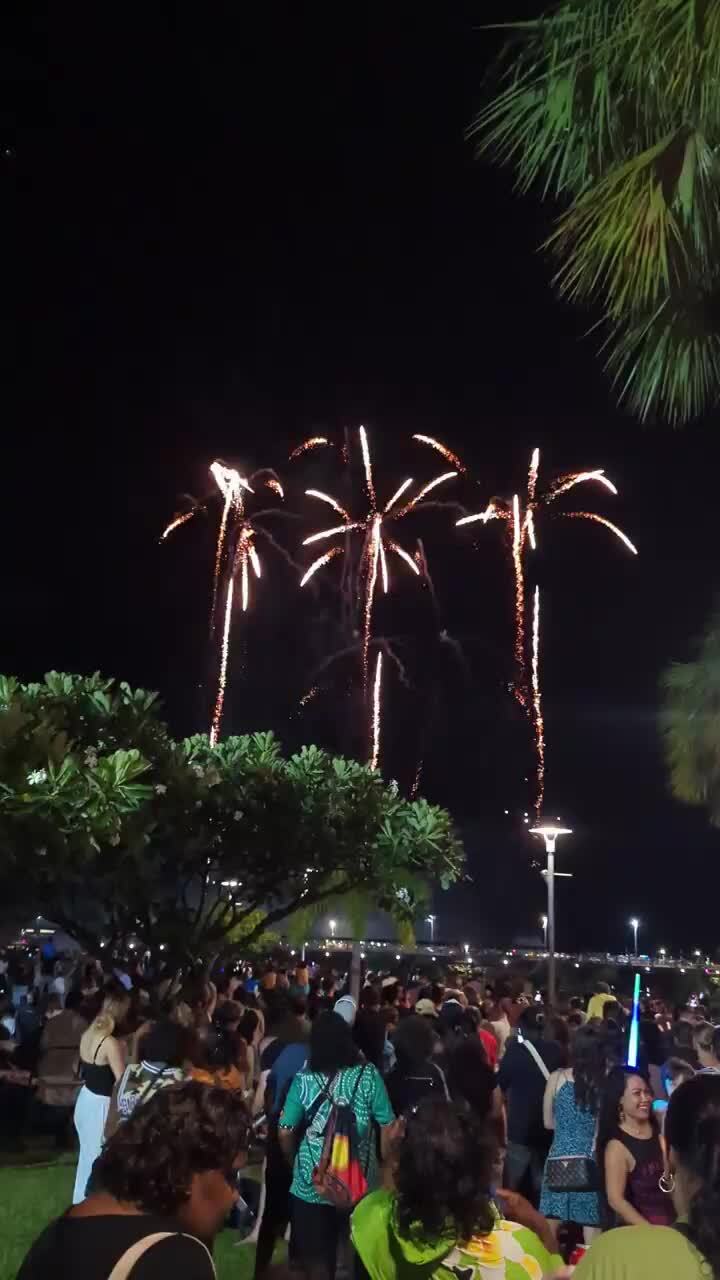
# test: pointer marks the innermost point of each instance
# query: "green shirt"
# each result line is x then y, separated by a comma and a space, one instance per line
642, 1253
371, 1104
508, 1252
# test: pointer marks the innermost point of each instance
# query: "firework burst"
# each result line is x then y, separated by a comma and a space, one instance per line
378, 547
521, 519
377, 550
235, 526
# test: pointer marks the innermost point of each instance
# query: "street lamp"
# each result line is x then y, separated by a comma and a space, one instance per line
333, 926
550, 834
544, 923
431, 921
635, 925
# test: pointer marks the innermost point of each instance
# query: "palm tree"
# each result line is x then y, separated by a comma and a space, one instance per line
690, 722
612, 109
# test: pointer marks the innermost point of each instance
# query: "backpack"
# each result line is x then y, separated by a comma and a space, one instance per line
339, 1178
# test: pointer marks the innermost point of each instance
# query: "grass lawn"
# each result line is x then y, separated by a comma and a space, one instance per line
31, 1196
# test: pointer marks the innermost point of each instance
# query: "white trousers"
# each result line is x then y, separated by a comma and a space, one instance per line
91, 1111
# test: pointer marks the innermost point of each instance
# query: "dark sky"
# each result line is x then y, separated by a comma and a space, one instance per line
245, 223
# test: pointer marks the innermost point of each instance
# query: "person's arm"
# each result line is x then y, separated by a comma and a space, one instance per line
498, 1114
518, 1209
551, 1089
113, 1115
381, 1111
258, 1100
290, 1117
115, 1057
616, 1176
505, 1070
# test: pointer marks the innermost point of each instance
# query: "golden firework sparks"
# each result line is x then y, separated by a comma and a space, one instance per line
232, 487
367, 465
537, 708
524, 530
313, 442
222, 680
441, 448
177, 521
490, 513
405, 555
330, 533
376, 712
398, 493
376, 545
326, 497
591, 515
517, 551
580, 477
428, 488
255, 561
317, 564
383, 565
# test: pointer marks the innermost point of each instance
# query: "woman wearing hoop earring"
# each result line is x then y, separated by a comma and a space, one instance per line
637, 1185
689, 1250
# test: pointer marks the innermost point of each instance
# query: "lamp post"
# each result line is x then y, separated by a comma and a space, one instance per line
544, 923
635, 925
431, 921
550, 834
333, 926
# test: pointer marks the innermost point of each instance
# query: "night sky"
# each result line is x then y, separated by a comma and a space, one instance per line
251, 223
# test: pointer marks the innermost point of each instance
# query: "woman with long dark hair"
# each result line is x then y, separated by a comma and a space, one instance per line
439, 1221
334, 1076
570, 1108
691, 1249
630, 1154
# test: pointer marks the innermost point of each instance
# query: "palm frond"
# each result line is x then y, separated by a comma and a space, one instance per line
667, 368
690, 724
614, 107
672, 65
556, 114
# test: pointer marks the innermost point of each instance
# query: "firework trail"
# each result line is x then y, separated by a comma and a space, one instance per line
537, 707
177, 521
233, 521
313, 442
590, 515
222, 679
521, 518
443, 449
376, 713
317, 564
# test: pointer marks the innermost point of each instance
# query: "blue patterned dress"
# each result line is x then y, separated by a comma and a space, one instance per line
574, 1136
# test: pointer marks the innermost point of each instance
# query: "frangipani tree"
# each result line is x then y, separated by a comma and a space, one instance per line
215, 845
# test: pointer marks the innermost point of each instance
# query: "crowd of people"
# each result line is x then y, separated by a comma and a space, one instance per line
427, 1130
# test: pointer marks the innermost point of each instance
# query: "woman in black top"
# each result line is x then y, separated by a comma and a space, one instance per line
163, 1187
415, 1075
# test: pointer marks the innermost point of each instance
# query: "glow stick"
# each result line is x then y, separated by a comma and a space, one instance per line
633, 1043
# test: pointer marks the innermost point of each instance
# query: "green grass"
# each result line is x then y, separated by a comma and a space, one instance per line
31, 1196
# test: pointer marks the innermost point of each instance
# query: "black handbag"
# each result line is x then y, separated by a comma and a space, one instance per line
572, 1173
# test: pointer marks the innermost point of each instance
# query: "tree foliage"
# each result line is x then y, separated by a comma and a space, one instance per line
215, 845
691, 724
611, 107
